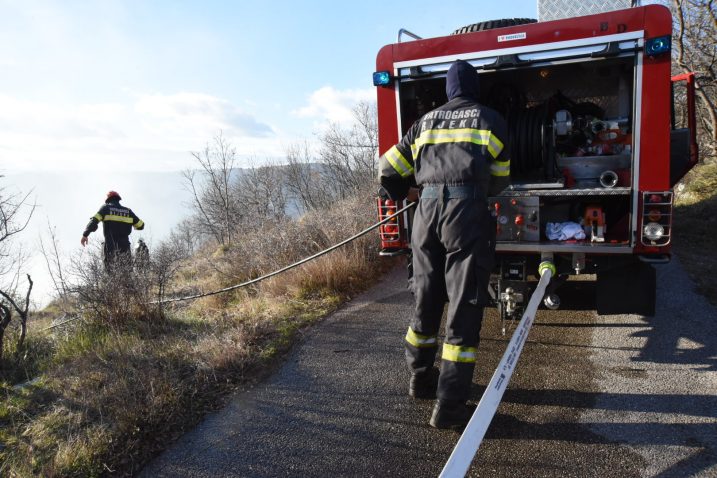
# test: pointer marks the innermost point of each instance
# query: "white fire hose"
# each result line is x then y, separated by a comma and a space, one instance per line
469, 442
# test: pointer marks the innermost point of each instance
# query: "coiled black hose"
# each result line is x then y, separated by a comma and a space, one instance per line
528, 140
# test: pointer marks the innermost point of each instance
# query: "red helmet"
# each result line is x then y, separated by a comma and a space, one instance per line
113, 194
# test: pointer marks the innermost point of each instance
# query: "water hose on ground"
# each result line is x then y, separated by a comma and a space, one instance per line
465, 450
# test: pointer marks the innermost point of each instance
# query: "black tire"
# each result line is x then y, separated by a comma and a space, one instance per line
491, 24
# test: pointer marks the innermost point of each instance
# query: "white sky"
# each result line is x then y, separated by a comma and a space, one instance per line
135, 85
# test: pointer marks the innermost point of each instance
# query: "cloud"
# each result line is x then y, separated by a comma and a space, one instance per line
187, 111
144, 132
328, 104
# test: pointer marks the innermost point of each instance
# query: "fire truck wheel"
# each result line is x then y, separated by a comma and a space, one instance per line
489, 25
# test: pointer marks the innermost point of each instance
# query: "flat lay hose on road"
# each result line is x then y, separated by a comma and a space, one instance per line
460, 460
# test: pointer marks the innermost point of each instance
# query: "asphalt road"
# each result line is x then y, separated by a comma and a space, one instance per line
611, 396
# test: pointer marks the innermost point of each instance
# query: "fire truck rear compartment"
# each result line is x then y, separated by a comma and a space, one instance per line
572, 164
571, 143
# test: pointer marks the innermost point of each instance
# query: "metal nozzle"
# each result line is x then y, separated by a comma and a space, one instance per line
552, 301
608, 179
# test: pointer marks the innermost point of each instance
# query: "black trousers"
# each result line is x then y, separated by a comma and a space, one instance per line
453, 245
116, 252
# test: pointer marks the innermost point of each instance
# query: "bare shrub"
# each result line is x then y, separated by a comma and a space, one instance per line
111, 296
164, 264
277, 244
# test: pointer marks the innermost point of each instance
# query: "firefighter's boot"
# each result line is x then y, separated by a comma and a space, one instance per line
451, 414
424, 385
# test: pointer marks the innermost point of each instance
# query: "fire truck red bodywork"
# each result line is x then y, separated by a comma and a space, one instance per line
651, 110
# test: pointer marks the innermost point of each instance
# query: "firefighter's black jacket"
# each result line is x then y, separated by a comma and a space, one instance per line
461, 142
117, 223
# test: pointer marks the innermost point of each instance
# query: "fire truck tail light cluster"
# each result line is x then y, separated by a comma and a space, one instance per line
656, 218
381, 78
657, 46
389, 232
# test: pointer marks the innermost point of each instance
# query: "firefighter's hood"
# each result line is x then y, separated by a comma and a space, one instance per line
462, 80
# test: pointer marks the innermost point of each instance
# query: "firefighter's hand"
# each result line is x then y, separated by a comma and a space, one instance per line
412, 194
83, 241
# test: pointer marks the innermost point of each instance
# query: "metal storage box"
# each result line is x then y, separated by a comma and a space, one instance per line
557, 9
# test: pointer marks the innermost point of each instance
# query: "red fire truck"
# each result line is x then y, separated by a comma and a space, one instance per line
594, 147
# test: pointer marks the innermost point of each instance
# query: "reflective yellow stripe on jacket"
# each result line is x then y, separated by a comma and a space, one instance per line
500, 168
457, 353
98, 216
112, 217
399, 162
482, 137
139, 224
420, 341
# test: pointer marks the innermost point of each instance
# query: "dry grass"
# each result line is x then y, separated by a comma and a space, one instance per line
695, 223
110, 395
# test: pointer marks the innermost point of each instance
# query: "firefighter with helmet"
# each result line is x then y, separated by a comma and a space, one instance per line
117, 223
457, 155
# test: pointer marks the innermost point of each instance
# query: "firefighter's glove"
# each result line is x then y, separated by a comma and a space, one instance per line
83, 241
412, 194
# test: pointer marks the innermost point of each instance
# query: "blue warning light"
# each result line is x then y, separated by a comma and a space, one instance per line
658, 46
381, 78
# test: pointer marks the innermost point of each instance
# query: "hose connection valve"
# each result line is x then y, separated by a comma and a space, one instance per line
547, 265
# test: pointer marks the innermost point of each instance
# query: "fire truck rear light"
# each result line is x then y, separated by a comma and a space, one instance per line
654, 231
657, 216
659, 45
381, 78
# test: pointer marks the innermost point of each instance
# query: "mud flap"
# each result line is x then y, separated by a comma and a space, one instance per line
627, 288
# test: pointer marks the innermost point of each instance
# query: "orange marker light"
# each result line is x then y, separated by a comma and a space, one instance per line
654, 215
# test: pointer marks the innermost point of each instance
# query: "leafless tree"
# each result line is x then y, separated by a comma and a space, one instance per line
304, 180
211, 189
695, 40
53, 260
186, 236
350, 155
262, 193
345, 163
15, 214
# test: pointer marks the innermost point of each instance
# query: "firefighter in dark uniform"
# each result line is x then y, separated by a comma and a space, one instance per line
457, 156
117, 223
